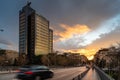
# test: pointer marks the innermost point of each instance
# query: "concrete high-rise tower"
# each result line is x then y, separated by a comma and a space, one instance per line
35, 37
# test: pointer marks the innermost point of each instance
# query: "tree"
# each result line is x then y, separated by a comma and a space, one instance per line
52, 58
37, 59
15, 62
22, 59
62, 61
45, 60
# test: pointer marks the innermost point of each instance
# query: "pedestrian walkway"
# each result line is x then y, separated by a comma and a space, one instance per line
91, 75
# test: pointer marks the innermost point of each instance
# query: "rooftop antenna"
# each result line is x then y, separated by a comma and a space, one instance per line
28, 3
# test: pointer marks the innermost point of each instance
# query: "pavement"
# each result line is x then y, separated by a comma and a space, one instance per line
7, 72
10, 76
59, 74
91, 75
67, 74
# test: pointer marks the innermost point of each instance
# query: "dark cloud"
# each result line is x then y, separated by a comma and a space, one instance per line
89, 12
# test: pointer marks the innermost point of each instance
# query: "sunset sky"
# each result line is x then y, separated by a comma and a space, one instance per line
81, 26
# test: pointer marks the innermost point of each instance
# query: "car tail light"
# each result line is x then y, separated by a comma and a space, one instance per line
28, 72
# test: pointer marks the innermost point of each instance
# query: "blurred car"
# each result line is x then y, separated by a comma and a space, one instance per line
34, 73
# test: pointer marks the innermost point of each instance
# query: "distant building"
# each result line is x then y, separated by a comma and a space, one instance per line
107, 54
7, 55
35, 37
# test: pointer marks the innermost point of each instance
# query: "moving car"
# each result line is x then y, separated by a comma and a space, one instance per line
34, 73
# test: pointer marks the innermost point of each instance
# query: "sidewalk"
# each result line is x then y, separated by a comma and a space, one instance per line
6, 72
91, 75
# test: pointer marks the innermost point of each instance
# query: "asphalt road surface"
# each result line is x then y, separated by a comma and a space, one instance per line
59, 74
68, 73
9, 76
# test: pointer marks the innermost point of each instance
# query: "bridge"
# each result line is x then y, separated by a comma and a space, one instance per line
73, 73
94, 74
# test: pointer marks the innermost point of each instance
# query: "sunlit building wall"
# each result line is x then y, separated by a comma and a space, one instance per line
42, 35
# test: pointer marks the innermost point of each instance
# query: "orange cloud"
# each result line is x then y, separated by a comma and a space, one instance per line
89, 53
70, 31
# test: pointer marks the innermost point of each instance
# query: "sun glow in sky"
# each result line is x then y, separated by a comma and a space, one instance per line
89, 53
81, 26
81, 35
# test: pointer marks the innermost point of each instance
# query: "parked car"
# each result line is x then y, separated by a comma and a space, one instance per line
34, 73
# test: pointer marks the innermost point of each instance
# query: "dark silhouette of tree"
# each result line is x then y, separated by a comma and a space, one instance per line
15, 62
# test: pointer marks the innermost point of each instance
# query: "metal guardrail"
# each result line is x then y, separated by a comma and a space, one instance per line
80, 76
102, 74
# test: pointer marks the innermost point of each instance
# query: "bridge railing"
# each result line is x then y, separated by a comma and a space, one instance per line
102, 74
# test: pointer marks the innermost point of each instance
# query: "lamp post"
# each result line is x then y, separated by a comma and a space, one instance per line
1, 30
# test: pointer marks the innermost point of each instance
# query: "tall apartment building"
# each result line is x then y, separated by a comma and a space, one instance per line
35, 37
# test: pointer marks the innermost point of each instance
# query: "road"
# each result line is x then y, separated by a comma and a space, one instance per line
67, 74
59, 74
7, 76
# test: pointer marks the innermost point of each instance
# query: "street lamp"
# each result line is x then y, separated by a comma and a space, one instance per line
1, 30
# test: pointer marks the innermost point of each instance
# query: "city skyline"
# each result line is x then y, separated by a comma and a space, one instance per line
86, 29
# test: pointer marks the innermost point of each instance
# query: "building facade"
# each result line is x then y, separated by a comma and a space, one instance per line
50, 40
35, 37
